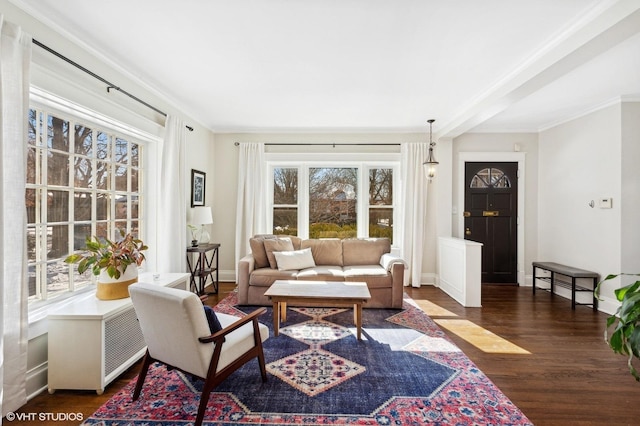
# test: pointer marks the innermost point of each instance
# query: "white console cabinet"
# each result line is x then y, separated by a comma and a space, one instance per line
93, 341
460, 269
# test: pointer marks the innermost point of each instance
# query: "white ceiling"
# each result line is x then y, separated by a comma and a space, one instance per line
366, 65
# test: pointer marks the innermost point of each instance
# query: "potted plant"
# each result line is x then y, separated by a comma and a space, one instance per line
625, 338
110, 261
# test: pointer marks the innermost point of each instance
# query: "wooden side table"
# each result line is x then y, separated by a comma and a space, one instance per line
204, 267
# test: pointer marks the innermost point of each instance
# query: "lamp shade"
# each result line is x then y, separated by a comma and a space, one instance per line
201, 216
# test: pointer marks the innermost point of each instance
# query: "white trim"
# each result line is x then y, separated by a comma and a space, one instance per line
50, 100
590, 110
518, 157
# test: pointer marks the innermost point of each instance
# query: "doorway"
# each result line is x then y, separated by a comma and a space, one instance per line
491, 217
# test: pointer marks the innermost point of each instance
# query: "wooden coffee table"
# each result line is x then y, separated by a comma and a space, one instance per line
317, 293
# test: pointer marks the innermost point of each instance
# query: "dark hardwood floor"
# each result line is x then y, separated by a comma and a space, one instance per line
552, 362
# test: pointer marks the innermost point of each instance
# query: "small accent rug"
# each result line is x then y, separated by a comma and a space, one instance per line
404, 371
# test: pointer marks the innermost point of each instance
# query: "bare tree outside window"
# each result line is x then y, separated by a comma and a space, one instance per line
333, 199
381, 203
285, 201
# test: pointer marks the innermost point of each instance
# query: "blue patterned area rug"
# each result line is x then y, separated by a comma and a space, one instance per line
404, 371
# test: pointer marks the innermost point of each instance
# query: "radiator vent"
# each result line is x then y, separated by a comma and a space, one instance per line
123, 339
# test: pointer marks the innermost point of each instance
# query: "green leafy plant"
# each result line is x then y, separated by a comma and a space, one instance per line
112, 256
625, 338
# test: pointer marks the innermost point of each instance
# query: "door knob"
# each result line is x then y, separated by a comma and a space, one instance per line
467, 231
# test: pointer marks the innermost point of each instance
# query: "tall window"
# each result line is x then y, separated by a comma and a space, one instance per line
334, 202
82, 180
285, 201
381, 203
333, 198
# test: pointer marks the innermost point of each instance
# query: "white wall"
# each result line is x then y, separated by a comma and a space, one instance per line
581, 162
501, 145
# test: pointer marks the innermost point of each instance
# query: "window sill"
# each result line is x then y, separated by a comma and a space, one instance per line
39, 311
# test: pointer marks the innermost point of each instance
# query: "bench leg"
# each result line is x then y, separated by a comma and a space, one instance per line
595, 299
573, 293
534, 280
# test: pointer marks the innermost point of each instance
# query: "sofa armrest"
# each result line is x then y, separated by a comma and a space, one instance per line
246, 265
395, 266
388, 260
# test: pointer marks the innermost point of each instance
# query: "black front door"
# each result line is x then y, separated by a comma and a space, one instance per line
491, 214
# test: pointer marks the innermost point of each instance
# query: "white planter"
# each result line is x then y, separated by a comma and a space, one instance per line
108, 288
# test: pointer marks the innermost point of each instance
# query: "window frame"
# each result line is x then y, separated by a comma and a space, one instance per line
49, 103
362, 161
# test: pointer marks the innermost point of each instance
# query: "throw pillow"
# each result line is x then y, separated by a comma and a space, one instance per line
258, 252
212, 319
294, 260
276, 244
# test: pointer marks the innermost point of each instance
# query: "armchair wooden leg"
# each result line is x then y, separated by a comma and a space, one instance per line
263, 368
260, 352
209, 384
142, 375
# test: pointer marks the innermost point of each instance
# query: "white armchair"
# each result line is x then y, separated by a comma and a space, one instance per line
176, 331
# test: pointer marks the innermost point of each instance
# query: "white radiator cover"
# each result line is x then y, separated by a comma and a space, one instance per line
122, 340
91, 341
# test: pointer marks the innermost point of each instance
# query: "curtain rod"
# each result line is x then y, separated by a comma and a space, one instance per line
97, 77
327, 144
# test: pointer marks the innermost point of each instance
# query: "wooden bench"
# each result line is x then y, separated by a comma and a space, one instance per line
570, 272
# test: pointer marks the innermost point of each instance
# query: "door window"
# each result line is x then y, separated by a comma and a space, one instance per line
490, 177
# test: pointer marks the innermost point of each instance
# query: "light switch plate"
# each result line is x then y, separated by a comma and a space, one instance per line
605, 203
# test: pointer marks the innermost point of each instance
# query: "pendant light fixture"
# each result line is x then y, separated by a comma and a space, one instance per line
431, 163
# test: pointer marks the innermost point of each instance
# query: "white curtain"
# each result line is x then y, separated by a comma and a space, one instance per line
172, 203
251, 209
414, 196
15, 58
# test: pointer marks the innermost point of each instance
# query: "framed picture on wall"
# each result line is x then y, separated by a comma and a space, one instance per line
198, 185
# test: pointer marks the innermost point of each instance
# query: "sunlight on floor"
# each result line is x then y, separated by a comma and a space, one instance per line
480, 337
434, 310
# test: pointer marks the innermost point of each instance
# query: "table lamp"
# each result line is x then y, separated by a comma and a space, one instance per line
202, 216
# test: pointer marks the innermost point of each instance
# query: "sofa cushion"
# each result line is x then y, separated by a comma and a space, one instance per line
294, 239
294, 260
374, 275
364, 251
258, 251
276, 244
321, 273
264, 277
325, 251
